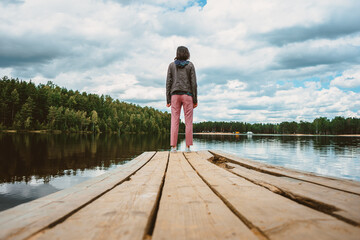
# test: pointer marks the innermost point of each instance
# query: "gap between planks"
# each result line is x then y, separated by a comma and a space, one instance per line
257, 231
345, 213
275, 215
28, 219
348, 186
126, 212
153, 216
342, 205
189, 209
151, 223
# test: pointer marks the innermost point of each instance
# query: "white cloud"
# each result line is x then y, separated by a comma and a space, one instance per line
236, 84
111, 84
349, 79
241, 51
296, 103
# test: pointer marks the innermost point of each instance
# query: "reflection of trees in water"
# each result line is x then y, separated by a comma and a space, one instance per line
44, 155
338, 145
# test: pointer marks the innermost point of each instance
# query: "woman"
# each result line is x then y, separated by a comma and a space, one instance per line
181, 90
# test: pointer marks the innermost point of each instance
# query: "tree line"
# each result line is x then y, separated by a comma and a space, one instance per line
321, 125
26, 106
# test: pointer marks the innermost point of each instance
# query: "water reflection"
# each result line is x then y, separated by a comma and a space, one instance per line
44, 156
332, 156
35, 165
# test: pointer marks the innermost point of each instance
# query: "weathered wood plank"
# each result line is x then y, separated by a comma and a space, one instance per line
332, 182
190, 210
345, 206
24, 220
206, 154
341, 204
276, 216
122, 213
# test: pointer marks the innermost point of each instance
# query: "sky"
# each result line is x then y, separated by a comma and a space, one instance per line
256, 61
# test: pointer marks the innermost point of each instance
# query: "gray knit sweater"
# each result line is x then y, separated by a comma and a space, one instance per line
181, 79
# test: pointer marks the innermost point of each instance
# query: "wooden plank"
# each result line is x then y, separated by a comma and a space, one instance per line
332, 182
206, 154
345, 206
123, 213
24, 220
276, 216
190, 210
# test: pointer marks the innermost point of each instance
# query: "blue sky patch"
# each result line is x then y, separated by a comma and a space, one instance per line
200, 3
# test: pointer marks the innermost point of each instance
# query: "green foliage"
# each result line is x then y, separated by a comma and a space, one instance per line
15, 101
26, 106
322, 125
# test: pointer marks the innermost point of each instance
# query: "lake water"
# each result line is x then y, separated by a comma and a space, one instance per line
35, 165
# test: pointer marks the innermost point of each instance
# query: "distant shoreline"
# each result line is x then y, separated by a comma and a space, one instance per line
66, 132
277, 134
202, 133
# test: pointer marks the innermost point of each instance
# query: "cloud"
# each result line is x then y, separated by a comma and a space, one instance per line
17, 52
338, 24
294, 103
170, 4
310, 55
349, 79
113, 84
6, 2
250, 57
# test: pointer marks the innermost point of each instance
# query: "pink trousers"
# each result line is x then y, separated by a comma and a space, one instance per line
176, 102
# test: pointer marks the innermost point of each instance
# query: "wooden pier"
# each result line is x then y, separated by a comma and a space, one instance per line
197, 195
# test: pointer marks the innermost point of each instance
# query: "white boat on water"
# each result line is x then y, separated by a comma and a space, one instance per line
249, 133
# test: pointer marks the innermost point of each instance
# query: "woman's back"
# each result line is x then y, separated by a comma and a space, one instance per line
181, 78
181, 91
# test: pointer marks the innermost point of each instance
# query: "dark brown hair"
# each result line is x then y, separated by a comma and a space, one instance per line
182, 53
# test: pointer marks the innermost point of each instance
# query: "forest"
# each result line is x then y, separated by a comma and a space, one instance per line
321, 125
26, 106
